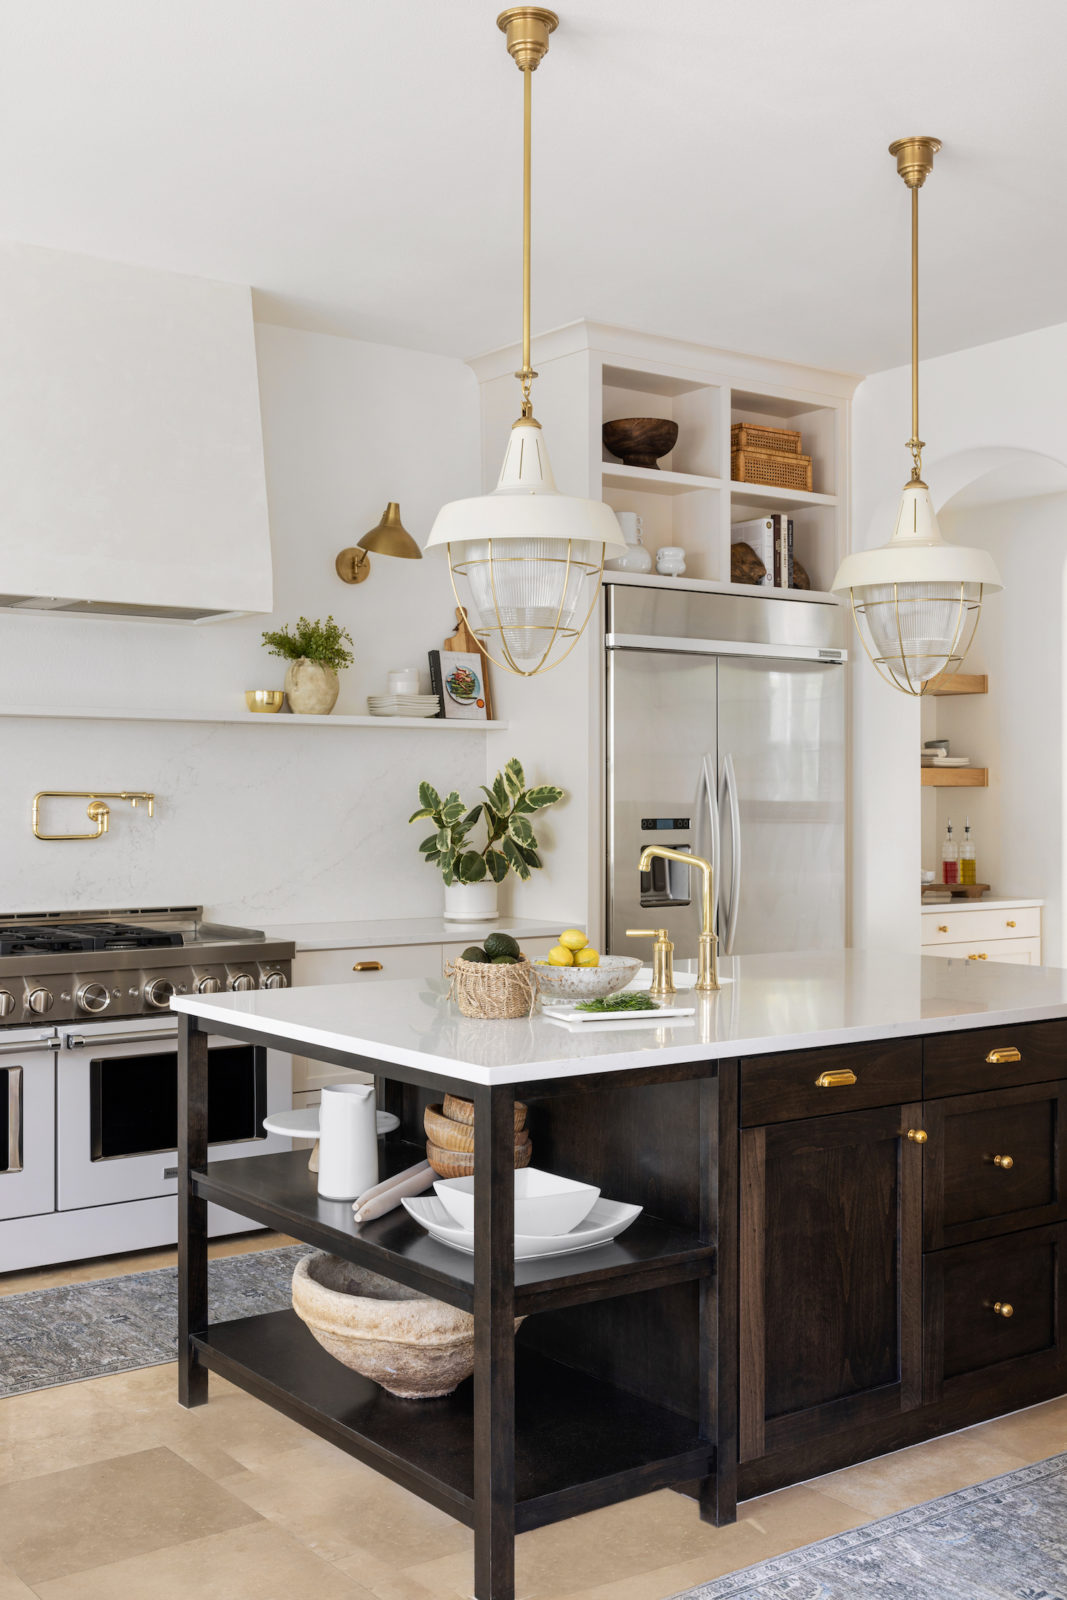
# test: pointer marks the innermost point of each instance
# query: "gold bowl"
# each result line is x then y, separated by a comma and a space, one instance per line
264, 699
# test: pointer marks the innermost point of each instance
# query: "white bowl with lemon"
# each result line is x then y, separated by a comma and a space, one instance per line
575, 971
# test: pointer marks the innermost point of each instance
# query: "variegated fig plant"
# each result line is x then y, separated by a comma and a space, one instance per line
510, 844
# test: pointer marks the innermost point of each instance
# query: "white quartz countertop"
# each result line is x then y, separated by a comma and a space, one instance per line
783, 1002
405, 930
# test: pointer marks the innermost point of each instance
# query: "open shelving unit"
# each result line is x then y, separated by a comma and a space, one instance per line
277, 719
691, 501
955, 777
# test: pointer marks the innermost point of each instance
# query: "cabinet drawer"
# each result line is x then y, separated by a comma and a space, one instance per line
951, 926
968, 1338
995, 1163
994, 1058
1025, 952
781, 1088
382, 961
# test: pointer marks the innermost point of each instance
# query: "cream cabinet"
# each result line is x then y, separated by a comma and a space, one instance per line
1002, 930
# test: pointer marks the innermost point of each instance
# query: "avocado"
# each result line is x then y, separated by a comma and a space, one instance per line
474, 952
501, 944
505, 961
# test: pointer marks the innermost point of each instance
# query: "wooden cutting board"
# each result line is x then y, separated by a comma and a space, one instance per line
464, 640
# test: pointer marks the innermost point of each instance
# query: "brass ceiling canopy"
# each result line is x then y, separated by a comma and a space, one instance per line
527, 28
388, 538
915, 158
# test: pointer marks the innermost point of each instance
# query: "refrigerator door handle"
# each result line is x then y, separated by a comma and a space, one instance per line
732, 906
707, 780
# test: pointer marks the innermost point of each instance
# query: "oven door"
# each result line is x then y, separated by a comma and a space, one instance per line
27, 1124
117, 1102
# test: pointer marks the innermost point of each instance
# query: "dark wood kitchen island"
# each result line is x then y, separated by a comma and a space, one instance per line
852, 1170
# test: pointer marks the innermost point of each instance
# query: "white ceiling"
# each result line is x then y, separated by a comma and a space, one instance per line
703, 168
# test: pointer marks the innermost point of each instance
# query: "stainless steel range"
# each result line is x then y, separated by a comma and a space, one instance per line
88, 1074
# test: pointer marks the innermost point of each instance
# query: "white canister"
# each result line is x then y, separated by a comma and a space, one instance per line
670, 560
635, 558
403, 680
348, 1141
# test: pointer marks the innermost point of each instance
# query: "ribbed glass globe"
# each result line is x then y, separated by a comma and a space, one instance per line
918, 630
526, 593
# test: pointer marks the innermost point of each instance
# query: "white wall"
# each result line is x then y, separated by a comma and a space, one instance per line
978, 407
263, 821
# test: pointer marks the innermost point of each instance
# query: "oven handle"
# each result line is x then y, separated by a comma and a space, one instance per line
30, 1044
14, 1120
78, 1041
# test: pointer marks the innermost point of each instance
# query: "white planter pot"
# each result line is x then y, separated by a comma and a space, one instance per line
312, 688
471, 902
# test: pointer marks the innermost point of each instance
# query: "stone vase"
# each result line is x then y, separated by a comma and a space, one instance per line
312, 689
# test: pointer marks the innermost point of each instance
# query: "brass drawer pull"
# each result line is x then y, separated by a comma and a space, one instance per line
1005, 1163
835, 1080
942, 927
982, 957
1003, 1308
997, 1058
918, 1135
367, 966
1009, 924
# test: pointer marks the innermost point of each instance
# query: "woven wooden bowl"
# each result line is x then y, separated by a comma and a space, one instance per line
460, 1163
640, 441
446, 1134
457, 1110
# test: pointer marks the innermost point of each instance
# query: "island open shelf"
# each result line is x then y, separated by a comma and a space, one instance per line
576, 1438
280, 1192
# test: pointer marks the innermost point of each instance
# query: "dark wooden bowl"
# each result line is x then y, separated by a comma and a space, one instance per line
640, 441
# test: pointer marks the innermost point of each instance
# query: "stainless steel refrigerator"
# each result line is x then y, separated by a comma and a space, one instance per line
726, 739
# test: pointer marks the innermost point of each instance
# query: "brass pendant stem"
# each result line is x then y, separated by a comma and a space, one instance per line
527, 149
915, 162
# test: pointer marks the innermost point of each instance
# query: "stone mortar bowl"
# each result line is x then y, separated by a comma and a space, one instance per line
561, 985
415, 1347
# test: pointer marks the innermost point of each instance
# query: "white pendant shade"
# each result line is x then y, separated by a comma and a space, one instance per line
532, 557
917, 599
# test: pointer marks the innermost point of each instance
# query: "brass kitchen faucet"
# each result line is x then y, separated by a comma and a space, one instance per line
663, 949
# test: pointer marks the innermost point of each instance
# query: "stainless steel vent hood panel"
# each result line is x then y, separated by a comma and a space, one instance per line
133, 482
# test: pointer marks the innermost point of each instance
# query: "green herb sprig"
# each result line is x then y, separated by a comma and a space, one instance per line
619, 1002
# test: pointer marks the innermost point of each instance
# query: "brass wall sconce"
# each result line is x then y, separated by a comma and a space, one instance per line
98, 810
388, 538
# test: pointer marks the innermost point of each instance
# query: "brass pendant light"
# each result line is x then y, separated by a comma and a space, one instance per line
916, 601
531, 557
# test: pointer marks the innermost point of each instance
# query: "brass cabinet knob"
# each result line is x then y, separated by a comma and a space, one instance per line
997, 1058
942, 927
367, 966
1003, 1308
982, 957
1004, 1162
1009, 924
835, 1080
918, 1135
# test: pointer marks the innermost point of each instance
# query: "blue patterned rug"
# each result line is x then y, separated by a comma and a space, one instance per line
88, 1330
1001, 1540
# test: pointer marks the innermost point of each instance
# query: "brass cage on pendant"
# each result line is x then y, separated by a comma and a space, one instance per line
889, 625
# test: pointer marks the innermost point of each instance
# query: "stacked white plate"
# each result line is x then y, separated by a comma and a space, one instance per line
403, 705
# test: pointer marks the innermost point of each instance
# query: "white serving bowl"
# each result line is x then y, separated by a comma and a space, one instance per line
544, 1204
565, 984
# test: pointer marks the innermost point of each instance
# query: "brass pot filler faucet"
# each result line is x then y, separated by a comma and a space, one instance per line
98, 810
663, 950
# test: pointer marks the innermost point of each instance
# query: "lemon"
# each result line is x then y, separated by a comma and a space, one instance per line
560, 956
587, 957
573, 939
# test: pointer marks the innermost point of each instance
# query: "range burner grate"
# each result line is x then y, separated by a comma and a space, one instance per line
57, 938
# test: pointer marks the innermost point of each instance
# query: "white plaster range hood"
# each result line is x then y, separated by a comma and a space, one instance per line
131, 452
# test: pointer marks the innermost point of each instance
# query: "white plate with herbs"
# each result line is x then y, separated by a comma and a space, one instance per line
623, 1008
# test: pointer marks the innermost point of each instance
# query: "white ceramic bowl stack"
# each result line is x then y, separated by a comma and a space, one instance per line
553, 1216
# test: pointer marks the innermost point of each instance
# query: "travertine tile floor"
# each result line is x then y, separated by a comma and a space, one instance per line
109, 1491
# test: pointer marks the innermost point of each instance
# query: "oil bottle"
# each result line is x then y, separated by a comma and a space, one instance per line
968, 855
950, 858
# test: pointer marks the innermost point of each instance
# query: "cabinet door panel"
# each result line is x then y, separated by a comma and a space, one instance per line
830, 1275
995, 1163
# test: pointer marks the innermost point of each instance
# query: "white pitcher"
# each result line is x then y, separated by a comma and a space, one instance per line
348, 1141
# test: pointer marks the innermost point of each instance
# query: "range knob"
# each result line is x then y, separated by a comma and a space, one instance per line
275, 980
7, 1002
209, 986
243, 981
93, 997
158, 993
41, 1000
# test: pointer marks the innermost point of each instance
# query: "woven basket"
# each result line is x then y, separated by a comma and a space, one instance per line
483, 990
753, 436
774, 468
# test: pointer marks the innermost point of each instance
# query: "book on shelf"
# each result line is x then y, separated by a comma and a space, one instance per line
772, 540
458, 679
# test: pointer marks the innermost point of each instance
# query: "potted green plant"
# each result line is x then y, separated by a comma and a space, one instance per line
471, 874
316, 653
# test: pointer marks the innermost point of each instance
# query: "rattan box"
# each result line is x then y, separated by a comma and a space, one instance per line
754, 436
774, 468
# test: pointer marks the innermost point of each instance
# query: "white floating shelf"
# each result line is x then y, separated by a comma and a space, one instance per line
765, 494
650, 480
279, 718
652, 580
